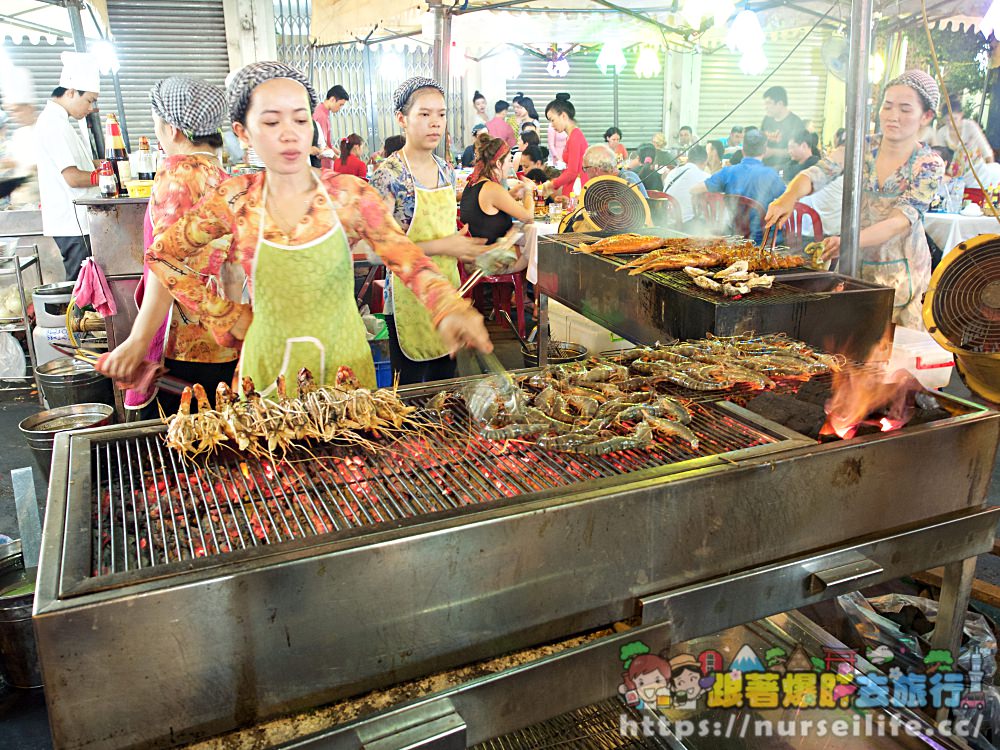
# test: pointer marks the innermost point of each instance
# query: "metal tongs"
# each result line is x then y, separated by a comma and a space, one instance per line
496, 389
166, 382
774, 238
504, 243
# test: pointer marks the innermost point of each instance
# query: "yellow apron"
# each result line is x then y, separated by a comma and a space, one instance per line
433, 218
304, 313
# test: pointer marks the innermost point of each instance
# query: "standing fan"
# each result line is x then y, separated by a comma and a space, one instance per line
612, 204
962, 311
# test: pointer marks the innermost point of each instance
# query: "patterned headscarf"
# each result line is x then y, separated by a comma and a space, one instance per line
252, 76
196, 107
924, 84
407, 87
498, 157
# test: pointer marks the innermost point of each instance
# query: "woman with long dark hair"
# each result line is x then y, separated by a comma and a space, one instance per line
524, 111
349, 161
646, 170
561, 115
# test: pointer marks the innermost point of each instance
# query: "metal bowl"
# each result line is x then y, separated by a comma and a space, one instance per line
559, 353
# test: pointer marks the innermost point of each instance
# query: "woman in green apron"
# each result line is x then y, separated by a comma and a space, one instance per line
900, 177
286, 236
419, 189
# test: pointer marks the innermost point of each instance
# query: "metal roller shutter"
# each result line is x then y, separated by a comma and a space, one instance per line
640, 100
42, 60
723, 84
160, 38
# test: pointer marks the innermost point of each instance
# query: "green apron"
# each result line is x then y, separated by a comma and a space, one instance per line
433, 218
304, 313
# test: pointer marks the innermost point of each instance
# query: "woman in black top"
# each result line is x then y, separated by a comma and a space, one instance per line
487, 209
647, 169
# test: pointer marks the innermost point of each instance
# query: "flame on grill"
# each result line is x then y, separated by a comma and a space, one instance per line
867, 397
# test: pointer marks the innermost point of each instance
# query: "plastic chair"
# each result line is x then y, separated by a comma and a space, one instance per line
665, 209
711, 209
742, 209
500, 301
793, 230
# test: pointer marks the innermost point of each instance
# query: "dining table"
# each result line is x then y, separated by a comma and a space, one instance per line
950, 230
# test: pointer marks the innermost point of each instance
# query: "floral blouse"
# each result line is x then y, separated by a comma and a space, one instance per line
393, 178
180, 183
190, 262
904, 261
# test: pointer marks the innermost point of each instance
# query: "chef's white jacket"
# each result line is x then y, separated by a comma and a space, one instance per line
60, 145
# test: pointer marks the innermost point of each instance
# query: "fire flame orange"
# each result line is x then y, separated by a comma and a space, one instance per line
867, 396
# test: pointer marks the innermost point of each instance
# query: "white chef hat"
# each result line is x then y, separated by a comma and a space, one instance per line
17, 86
80, 71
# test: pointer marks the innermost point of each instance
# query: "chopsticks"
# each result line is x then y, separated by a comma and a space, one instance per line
81, 355
470, 282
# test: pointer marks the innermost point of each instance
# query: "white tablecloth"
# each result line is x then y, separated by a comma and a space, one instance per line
949, 230
531, 234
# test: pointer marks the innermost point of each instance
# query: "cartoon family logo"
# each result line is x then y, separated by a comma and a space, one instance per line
793, 680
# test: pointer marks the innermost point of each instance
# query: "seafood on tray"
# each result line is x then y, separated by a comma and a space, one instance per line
734, 281
330, 413
709, 252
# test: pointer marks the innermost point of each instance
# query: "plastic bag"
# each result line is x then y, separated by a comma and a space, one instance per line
12, 362
868, 618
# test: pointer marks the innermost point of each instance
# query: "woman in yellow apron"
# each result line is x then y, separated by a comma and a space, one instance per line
291, 232
419, 189
900, 177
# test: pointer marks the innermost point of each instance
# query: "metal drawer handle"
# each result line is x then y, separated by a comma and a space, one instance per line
851, 572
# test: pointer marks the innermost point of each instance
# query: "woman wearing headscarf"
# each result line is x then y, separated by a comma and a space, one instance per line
289, 232
899, 179
487, 208
187, 116
419, 190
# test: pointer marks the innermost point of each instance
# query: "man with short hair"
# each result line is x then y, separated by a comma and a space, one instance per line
685, 136
65, 163
778, 125
750, 178
735, 140
498, 127
803, 150
323, 141
600, 160
679, 182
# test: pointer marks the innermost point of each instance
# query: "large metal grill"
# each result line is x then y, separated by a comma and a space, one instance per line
153, 506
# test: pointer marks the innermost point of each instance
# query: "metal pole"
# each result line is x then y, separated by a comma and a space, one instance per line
442, 58
857, 129
121, 107
368, 69
80, 42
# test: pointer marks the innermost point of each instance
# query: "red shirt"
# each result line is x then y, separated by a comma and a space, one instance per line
354, 166
573, 156
499, 128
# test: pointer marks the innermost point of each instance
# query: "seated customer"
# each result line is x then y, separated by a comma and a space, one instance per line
349, 161
469, 155
749, 178
600, 161
647, 169
531, 158
487, 209
679, 182
803, 150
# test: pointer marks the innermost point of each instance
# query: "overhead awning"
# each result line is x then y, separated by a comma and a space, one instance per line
38, 20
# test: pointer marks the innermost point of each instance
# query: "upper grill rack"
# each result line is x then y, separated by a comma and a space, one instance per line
153, 506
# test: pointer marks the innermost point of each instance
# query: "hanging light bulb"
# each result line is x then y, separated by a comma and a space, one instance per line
648, 64
510, 65
753, 63
876, 67
612, 56
107, 58
747, 37
392, 66
696, 11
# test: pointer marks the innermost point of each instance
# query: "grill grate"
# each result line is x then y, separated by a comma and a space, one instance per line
593, 727
154, 506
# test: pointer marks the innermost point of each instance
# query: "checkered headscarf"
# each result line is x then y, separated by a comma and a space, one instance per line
924, 84
196, 107
252, 76
407, 87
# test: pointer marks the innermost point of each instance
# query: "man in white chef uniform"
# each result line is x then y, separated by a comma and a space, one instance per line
66, 169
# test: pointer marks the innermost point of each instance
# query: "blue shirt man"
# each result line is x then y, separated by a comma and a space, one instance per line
750, 178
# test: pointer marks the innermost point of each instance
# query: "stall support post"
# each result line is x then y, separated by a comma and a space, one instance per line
368, 67
857, 129
442, 55
80, 42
